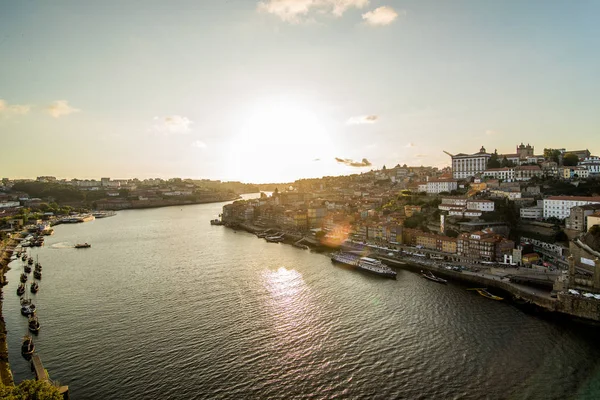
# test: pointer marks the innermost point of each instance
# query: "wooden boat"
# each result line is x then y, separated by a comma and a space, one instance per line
30, 261
33, 324
82, 245
23, 277
28, 309
432, 277
20, 289
37, 274
27, 268
483, 292
34, 287
27, 347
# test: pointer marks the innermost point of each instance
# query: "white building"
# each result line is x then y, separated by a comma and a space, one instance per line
534, 212
592, 164
467, 165
560, 206
573, 172
506, 174
435, 186
480, 205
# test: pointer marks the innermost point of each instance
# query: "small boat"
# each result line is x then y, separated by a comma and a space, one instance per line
37, 274
20, 289
28, 309
82, 245
38, 267
483, 292
216, 222
23, 277
432, 277
30, 261
27, 347
34, 287
33, 324
24, 257
27, 268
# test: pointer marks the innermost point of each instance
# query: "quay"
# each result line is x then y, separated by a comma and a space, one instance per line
42, 375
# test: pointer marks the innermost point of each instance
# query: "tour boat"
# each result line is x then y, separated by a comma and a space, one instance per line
82, 245
364, 263
27, 347
28, 309
432, 277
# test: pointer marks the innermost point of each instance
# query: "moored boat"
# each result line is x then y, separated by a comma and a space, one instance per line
34, 287
28, 309
33, 324
483, 292
20, 289
368, 264
23, 277
82, 245
30, 261
24, 257
216, 221
37, 274
27, 346
432, 277
27, 268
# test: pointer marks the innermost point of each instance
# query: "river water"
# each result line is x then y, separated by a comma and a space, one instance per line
164, 305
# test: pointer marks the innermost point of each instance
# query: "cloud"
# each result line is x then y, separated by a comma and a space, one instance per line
410, 144
381, 16
199, 144
172, 124
490, 132
363, 119
296, 11
60, 108
420, 155
352, 163
13, 109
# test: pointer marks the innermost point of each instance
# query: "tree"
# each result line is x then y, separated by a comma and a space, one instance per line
31, 389
570, 159
493, 162
552, 155
506, 163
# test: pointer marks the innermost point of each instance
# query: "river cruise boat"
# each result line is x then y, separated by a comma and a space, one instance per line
368, 264
432, 277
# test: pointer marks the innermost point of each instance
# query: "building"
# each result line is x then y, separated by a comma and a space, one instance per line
592, 164
577, 220
435, 186
573, 172
468, 165
480, 205
484, 246
506, 174
534, 212
415, 237
526, 172
410, 210
560, 206
593, 220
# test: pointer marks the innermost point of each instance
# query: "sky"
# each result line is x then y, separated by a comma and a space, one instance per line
278, 90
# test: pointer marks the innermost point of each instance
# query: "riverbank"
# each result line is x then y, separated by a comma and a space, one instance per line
6, 249
118, 204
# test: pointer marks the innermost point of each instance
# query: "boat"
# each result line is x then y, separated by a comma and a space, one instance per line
216, 221
24, 257
483, 292
368, 264
38, 267
20, 289
30, 261
33, 324
27, 268
34, 287
23, 277
274, 239
432, 277
82, 245
37, 274
27, 347
28, 309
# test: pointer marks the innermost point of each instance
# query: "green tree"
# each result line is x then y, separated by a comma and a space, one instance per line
552, 155
493, 162
570, 160
30, 389
506, 163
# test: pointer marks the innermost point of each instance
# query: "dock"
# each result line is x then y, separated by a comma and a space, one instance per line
42, 375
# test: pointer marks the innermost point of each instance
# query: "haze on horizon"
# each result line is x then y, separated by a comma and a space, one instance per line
277, 90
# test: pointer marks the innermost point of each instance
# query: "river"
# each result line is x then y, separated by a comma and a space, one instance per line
164, 305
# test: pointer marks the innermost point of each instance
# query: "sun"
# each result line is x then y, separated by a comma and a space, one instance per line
277, 142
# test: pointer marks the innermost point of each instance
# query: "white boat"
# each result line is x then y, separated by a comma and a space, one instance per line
364, 263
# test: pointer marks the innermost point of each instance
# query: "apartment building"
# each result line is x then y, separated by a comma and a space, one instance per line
560, 206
